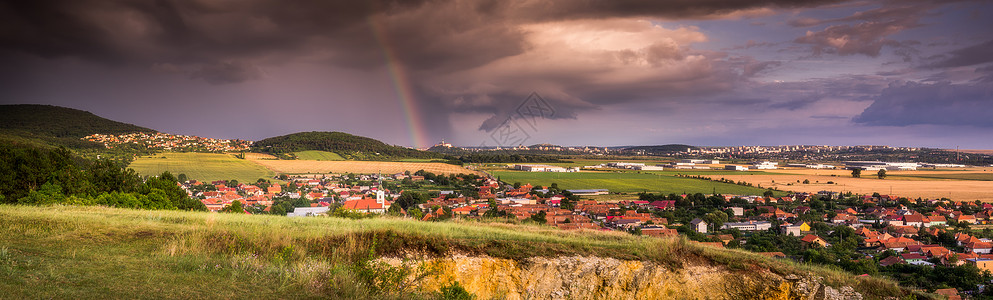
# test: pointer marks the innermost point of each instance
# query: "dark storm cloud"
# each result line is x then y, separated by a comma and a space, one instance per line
227, 72
461, 56
434, 32
793, 96
911, 103
868, 32
968, 56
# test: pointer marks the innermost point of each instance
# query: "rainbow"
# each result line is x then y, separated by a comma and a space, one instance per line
402, 85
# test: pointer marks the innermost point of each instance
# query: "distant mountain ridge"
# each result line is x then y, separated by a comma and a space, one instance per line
347, 145
57, 126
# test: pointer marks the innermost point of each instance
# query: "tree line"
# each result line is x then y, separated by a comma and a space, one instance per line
36, 176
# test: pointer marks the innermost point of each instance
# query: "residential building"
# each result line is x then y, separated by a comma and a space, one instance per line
699, 225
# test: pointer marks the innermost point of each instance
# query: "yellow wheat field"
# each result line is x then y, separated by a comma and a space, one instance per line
366, 167
958, 190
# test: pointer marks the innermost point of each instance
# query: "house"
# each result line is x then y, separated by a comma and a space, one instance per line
699, 225
813, 240
796, 229
663, 205
981, 263
979, 247
971, 219
889, 261
915, 220
378, 205
912, 257
463, 211
738, 211
937, 221
898, 244
748, 226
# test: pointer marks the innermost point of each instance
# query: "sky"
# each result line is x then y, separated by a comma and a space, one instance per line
508, 72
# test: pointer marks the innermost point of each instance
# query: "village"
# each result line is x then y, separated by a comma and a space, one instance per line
885, 230
166, 141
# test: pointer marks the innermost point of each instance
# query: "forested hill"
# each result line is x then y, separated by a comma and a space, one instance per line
56, 125
347, 145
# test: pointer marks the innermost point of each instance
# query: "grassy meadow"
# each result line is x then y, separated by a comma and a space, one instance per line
201, 166
97, 252
318, 155
626, 182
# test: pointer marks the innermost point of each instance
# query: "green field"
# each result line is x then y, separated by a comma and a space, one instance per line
201, 166
68, 252
318, 155
626, 182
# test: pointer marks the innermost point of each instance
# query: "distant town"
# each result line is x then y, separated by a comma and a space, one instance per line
165, 141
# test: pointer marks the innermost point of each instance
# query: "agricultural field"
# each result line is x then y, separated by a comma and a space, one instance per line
952, 176
956, 184
366, 167
201, 166
626, 182
318, 155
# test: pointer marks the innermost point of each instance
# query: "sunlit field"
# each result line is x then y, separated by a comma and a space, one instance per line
201, 166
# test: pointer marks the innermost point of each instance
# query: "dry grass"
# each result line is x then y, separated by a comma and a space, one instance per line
365, 167
85, 252
960, 190
258, 156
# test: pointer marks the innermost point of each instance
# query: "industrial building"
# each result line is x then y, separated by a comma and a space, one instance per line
542, 168
735, 168
764, 165
878, 165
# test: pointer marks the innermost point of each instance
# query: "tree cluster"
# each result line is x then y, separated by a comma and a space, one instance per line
37, 176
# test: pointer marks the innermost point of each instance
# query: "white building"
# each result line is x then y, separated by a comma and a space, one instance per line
540, 168
926, 165
648, 168
308, 211
735, 168
764, 165
811, 166
701, 161
877, 165
748, 226
624, 165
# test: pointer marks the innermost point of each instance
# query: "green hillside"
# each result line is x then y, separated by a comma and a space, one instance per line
56, 126
318, 155
346, 145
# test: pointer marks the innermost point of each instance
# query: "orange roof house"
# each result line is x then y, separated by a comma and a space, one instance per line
366, 205
811, 239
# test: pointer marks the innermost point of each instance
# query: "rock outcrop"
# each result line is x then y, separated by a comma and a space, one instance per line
583, 277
